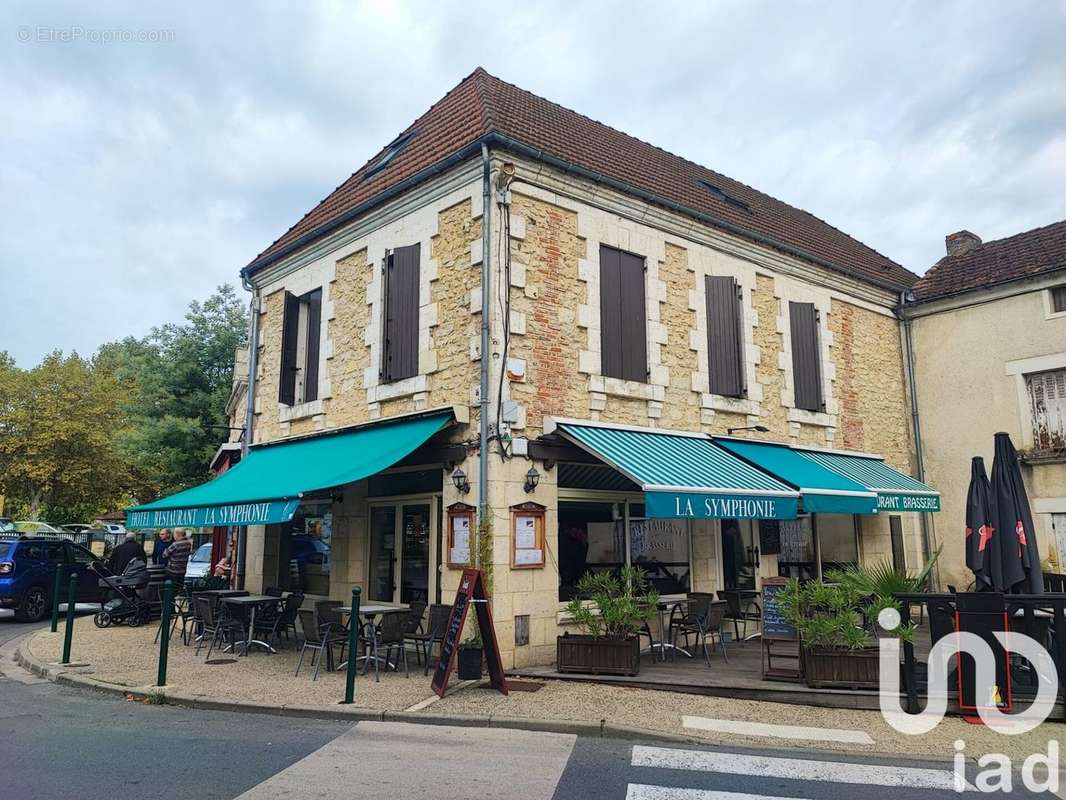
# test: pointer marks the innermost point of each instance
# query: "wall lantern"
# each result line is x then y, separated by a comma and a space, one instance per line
532, 479
460, 481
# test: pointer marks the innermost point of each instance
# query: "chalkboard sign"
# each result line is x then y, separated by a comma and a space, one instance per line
774, 625
471, 591
769, 537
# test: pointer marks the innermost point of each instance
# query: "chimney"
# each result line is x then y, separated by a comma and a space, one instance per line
961, 242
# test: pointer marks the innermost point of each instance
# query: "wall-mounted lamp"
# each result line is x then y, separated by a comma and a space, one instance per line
759, 428
532, 479
460, 481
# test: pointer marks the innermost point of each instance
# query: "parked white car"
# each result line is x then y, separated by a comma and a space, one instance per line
199, 565
111, 527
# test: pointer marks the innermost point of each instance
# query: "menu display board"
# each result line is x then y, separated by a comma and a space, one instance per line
773, 623
460, 538
471, 592
779, 639
527, 536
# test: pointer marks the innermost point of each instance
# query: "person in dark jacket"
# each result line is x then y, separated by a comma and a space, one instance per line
177, 555
162, 542
124, 554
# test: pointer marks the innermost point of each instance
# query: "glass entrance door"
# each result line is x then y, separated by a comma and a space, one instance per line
740, 554
414, 560
402, 552
382, 584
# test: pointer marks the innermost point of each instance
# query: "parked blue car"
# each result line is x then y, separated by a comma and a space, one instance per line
28, 573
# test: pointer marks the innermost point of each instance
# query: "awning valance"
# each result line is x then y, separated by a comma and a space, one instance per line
685, 475
265, 487
823, 490
895, 490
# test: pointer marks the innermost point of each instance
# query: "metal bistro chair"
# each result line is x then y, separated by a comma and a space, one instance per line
217, 626
713, 625
433, 634
319, 640
389, 634
279, 619
687, 619
740, 610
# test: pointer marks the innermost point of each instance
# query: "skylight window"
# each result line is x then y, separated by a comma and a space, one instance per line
393, 150
724, 196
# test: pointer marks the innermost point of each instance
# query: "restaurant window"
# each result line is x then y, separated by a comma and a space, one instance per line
593, 538
806, 360
400, 278
725, 341
623, 316
300, 339
797, 556
899, 556
304, 549
838, 541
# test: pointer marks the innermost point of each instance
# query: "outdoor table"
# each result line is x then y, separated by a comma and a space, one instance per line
662, 608
369, 611
253, 602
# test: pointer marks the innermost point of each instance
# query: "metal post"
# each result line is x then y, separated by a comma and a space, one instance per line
55, 598
353, 641
164, 632
72, 593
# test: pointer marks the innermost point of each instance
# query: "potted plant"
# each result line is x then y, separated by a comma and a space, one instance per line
610, 610
471, 653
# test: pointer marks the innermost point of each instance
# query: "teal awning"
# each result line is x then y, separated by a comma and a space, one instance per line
266, 485
895, 490
685, 475
823, 490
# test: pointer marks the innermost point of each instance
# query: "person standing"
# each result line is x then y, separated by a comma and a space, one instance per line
177, 556
162, 542
124, 554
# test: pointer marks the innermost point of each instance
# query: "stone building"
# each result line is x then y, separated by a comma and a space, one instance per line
682, 373
989, 334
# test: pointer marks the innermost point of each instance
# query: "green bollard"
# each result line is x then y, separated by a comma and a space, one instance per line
353, 642
72, 594
55, 598
164, 632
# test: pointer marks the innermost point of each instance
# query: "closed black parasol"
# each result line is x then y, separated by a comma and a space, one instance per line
982, 542
1013, 523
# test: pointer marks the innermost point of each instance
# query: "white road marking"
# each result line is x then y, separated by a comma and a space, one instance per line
793, 769
742, 728
641, 791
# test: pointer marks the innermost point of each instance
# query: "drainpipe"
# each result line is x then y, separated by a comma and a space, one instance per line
249, 413
486, 307
916, 423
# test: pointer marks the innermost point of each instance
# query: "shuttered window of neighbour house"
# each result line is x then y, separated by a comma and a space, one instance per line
725, 342
1058, 299
806, 366
298, 382
1047, 400
290, 328
400, 350
623, 316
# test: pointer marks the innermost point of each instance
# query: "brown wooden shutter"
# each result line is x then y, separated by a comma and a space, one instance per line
806, 367
634, 318
610, 312
725, 341
401, 310
314, 333
290, 327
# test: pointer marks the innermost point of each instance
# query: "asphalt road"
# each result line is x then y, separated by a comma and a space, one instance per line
59, 742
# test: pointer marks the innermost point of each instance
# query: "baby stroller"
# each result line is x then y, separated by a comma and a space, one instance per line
128, 606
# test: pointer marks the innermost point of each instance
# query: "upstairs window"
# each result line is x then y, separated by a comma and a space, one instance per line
806, 356
725, 340
1058, 299
300, 338
623, 316
399, 353
1047, 402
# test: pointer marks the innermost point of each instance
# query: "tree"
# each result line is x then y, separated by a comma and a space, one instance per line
57, 423
179, 380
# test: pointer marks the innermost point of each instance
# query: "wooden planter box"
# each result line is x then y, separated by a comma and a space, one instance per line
842, 669
590, 654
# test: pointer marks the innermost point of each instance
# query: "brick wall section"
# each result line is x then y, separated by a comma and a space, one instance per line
681, 406
869, 359
774, 415
268, 368
346, 330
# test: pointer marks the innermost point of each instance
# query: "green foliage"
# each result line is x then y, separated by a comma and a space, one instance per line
825, 615
613, 606
485, 551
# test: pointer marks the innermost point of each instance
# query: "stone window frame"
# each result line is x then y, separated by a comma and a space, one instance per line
1020, 370
701, 263
786, 291
614, 231
1049, 306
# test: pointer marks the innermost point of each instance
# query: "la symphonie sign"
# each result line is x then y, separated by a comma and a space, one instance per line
685, 505
264, 513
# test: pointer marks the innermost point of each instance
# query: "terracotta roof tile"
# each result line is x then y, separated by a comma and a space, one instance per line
1023, 255
483, 104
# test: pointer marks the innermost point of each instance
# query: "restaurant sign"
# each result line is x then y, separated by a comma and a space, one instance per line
698, 505
908, 502
266, 512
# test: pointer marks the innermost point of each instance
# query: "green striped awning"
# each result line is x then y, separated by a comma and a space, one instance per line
685, 475
823, 490
266, 486
895, 490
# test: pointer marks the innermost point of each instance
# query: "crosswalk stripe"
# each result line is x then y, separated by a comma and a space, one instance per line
641, 791
794, 769
744, 728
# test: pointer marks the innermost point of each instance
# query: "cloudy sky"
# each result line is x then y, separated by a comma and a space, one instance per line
138, 175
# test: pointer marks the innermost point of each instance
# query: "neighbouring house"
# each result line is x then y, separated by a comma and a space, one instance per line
989, 334
680, 372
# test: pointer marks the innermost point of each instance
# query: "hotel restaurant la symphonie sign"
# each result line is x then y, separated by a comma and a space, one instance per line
264, 513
